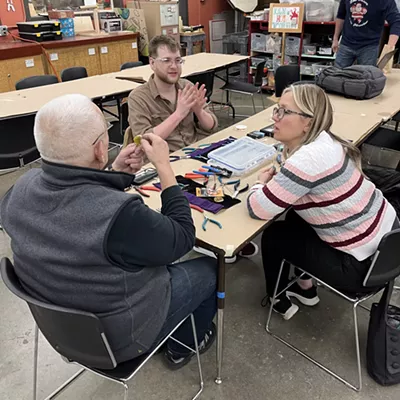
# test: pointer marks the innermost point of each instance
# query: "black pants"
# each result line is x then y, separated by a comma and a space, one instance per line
296, 241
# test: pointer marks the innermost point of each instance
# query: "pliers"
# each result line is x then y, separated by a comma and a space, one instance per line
206, 219
239, 190
141, 190
177, 158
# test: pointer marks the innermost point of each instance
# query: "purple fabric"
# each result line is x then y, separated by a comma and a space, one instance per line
203, 152
205, 204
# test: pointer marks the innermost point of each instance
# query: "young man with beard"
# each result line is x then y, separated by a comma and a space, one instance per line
166, 105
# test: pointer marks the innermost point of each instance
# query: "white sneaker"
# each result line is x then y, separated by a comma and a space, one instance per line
228, 260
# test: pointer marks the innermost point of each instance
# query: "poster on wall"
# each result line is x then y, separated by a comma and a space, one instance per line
11, 12
286, 18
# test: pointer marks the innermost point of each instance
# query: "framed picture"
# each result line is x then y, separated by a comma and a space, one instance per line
286, 18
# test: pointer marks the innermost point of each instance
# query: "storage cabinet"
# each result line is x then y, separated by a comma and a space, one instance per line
128, 51
79, 56
98, 57
11, 71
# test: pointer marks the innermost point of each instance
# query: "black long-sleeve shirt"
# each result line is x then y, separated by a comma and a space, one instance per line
141, 237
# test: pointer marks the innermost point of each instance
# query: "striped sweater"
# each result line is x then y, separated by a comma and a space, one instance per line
327, 190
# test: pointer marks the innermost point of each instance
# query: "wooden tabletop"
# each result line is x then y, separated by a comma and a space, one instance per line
30, 100
194, 64
238, 227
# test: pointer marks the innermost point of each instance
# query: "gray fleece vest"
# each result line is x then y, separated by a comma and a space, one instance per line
58, 219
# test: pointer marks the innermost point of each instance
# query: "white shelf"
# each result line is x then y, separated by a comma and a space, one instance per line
265, 52
318, 56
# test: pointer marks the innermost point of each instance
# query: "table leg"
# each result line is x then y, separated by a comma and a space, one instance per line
220, 315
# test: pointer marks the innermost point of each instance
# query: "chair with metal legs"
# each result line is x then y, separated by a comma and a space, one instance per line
80, 339
248, 88
385, 267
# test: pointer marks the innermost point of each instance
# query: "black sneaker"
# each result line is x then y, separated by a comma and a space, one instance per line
175, 361
307, 297
285, 307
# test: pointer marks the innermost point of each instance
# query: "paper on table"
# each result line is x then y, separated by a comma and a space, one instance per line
90, 2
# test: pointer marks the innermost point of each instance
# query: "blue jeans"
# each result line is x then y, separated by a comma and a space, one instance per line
346, 56
193, 290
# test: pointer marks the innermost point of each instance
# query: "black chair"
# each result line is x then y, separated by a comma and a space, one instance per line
285, 75
248, 88
206, 78
73, 73
17, 143
80, 338
384, 268
131, 64
34, 81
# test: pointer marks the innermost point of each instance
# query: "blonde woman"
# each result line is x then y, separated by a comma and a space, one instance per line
338, 216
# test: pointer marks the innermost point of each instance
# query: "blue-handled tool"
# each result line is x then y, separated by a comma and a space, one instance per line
213, 221
204, 173
239, 190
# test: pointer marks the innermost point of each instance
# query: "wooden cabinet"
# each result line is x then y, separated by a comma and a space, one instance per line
99, 55
129, 50
79, 56
11, 71
110, 57
4, 81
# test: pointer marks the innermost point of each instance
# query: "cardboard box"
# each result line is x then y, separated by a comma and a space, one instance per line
133, 20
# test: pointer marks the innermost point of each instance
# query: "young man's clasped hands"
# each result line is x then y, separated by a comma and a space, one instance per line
192, 98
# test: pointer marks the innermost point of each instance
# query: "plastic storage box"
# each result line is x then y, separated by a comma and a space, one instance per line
42, 37
325, 50
318, 67
292, 46
38, 26
306, 69
309, 49
258, 41
319, 10
242, 156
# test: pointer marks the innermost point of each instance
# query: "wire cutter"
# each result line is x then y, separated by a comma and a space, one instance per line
239, 190
141, 190
213, 221
177, 158
206, 219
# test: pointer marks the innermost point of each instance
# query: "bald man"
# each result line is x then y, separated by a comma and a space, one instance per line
80, 241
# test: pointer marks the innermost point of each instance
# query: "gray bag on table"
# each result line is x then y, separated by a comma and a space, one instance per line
358, 81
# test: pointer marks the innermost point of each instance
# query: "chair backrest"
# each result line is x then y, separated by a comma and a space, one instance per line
78, 336
385, 265
206, 78
285, 75
131, 64
73, 73
17, 143
259, 74
34, 81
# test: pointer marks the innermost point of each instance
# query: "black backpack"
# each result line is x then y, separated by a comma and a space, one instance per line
383, 346
358, 81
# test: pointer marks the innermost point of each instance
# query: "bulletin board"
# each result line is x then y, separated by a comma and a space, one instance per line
286, 18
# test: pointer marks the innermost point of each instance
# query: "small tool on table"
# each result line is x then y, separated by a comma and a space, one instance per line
141, 190
177, 158
206, 219
239, 189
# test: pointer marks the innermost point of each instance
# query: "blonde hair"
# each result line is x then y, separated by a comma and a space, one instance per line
66, 127
312, 100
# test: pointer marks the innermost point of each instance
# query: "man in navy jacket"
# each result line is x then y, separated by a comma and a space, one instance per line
362, 22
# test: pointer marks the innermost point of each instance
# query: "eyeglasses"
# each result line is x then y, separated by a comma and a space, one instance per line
109, 126
169, 61
280, 112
